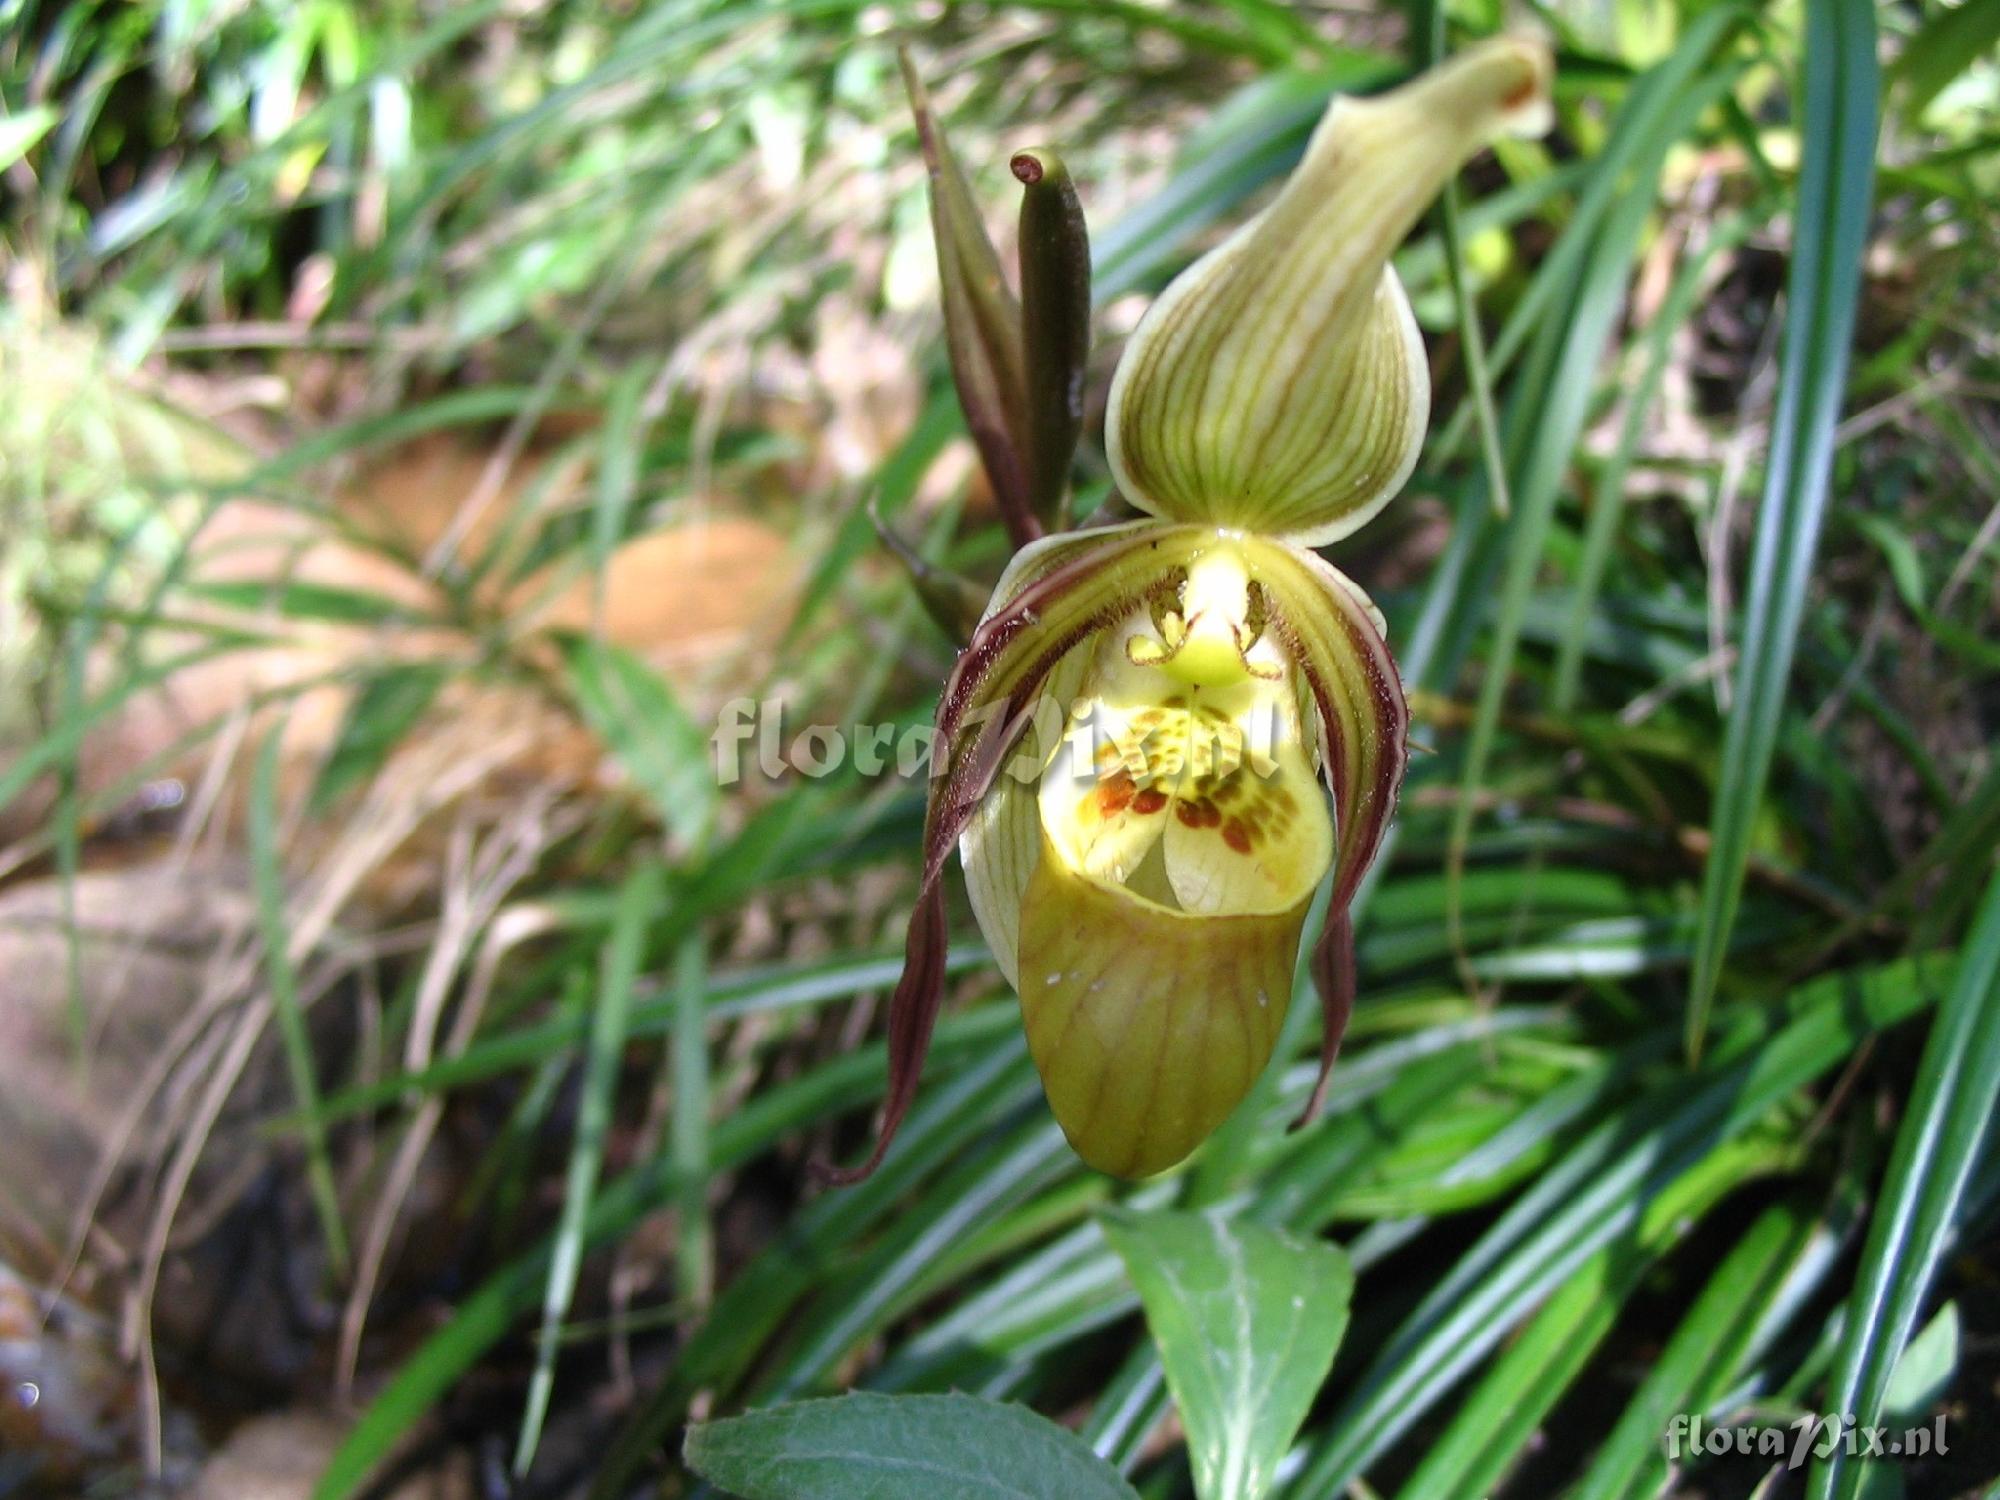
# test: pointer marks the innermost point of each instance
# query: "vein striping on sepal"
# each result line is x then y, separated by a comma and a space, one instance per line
1280, 385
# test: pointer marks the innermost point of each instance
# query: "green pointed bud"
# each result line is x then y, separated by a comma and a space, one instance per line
1055, 326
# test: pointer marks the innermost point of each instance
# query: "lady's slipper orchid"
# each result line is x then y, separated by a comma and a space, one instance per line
1136, 737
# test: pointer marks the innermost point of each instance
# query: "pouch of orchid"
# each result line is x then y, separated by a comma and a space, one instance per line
1163, 735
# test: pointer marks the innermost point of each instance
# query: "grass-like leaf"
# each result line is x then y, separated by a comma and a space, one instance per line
638, 902
1693, 1370
384, 710
1830, 231
1495, 1426
1950, 1112
1594, 1194
660, 746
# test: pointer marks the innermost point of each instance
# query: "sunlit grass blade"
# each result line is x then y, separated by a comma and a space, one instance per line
949, 1115
638, 903
1608, 505
1494, 1428
1949, 1116
1560, 412
1465, 310
1694, 1369
1830, 234
1579, 1205
486, 1315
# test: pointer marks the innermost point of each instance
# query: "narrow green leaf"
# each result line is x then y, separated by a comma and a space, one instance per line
1593, 1194
1495, 1425
20, 133
1465, 309
1926, 1370
953, 601
1693, 1371
1608, 492
617, 476
1950, 1110
689, 1145
1952, 40
638, 904
870, 1447
298, 600
762, 1297
1560, 410
267, 871
895, 482
1830, 233
1247, 1319
384, 710
644, 725
938, 1126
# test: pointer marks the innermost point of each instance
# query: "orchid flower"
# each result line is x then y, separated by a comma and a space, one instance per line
1164, 735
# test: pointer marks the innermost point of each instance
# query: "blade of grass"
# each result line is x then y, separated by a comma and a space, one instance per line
1653, 94
268, 873
1609, 491
1830, 231
951, 1115
760, 992
617, 479
1595, 1193
1563, 409
688, 1141
1492, 1429
1692, 1372
1949, 1116
1465, 310
638, 903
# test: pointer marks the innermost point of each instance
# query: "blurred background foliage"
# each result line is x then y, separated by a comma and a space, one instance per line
418, 421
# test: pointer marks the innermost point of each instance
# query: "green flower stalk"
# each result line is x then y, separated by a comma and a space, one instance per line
1142, 739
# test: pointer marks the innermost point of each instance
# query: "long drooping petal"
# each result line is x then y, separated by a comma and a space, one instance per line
1333, 635
1279, 385
1064, 591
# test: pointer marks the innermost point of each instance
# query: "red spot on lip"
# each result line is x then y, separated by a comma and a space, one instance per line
1236, 836
1149, 801
1114, 793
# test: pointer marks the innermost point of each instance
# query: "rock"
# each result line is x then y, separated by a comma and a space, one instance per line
281, 1456
147, 939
